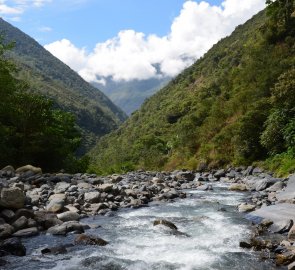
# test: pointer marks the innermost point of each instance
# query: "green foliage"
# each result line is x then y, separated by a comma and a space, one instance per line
31, 130
281, 18
283, 164
279, 134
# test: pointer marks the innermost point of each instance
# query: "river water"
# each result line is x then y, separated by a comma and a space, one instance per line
209, 218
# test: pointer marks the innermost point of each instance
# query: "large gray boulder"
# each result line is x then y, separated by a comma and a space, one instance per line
105, 187
261, 185
68, 216
29, 168
12, 198
20, 223
246, 207
7, 171
92, 197
289, 193
237, 187
166, 223
276, 187
66, 227
61, 187
83, 239
26, 232
55, 205
280, 214
6, 230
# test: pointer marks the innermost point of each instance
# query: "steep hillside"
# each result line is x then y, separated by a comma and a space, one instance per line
216, 111
129, 96
96, 114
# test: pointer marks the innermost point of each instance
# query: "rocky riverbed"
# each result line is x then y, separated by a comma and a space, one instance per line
34, 203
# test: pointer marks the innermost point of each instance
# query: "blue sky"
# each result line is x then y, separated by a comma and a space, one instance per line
86, 22
128, 39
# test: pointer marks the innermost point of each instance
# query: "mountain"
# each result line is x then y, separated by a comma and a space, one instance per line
129, 95
224, 109
96, 114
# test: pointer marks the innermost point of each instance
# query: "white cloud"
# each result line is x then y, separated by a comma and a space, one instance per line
132, 55
6, 9
13, 7
65, 50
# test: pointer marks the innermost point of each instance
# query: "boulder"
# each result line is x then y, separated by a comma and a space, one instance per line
24, 212
257, 171
276, 187
54, 250
46, 219
55, 205
20, 223
61, 187
245, 244
83, 185
261, 184
72, 208
285, 258
6, 230
83, 239
7, 171
29, 168
12, 198
60, 196
34, 199
105, 187
188, 176
130, 192
92, 197
7, 214
166, 223
66, 227
26, 232
13, 246
289, 193
237, 187
68, 216
205, 187
286, 227
219, 174
280, 214
3, 183
115, 178
246, 207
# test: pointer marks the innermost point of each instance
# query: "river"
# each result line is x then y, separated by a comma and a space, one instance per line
210, 218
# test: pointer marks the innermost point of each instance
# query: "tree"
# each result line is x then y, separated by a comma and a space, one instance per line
31, 130
279, 133
281, 19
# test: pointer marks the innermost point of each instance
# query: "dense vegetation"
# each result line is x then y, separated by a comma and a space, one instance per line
129, 95
233, 106
31, 130
96, 115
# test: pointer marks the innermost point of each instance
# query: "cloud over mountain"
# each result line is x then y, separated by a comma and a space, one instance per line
133, 55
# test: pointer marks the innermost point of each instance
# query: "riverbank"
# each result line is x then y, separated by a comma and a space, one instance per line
35, 203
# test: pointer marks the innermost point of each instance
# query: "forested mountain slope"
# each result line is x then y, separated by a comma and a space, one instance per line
235, 105
96, 114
